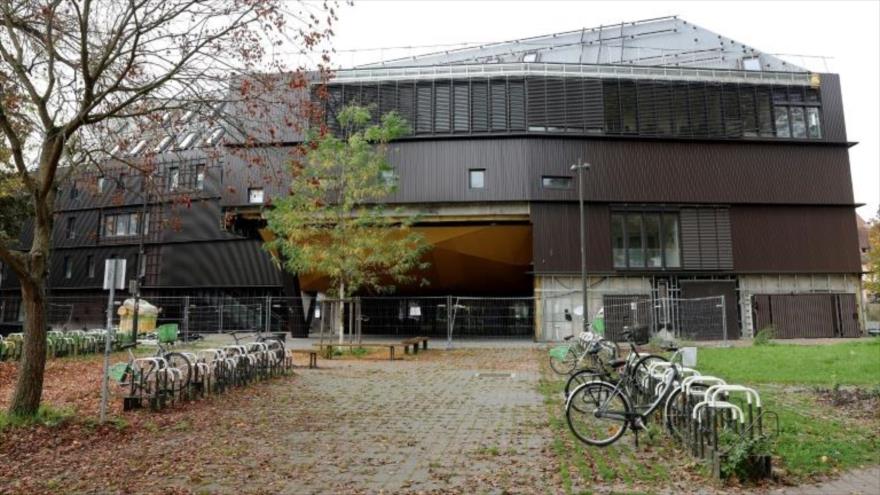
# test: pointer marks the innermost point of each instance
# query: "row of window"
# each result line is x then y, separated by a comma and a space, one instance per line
477, 180
185, 178
67, 266
586, 106
645, 240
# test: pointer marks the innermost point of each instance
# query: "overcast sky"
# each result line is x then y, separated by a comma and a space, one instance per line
847, 32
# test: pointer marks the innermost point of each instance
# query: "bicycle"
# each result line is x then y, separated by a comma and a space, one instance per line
604, 368
598, 413
156, 377
588, 346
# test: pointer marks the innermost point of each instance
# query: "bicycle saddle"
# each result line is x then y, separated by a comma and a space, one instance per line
569, 337
617, 363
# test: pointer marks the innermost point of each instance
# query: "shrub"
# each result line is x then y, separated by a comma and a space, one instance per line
764, 336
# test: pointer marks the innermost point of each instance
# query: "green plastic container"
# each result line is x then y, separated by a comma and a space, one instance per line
559, 352
167, 333
117, 371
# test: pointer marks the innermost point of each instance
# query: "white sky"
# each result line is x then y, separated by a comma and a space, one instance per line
848, 32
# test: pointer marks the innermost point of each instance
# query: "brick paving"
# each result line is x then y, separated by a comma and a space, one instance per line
462, 424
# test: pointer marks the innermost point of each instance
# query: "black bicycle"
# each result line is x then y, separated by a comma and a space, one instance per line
599, 412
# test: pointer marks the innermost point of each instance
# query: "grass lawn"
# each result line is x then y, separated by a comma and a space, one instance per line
848, 363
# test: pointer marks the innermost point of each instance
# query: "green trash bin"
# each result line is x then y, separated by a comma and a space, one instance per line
599, 322
167, 333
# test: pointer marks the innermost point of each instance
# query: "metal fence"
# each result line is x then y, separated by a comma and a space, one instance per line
548, 318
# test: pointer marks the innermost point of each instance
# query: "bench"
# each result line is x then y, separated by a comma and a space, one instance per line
327, 349
414, 342
313, 356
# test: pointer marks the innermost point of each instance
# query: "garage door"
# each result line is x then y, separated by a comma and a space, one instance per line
807, 315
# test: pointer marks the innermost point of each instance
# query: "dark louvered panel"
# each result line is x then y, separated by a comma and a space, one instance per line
747, 111
697, 108
681, 119
763, 107
714, 112
645, 103
335, 102
724, 239
690, 239
388, 99
555, 104
424, 114
733, 126
663, 108
537, 103
406, 104
708, 239
574, 104
611, 105
594, 115
442, 107
369, 98
480, 106
629, 107
461, 107
498, 107
516, 92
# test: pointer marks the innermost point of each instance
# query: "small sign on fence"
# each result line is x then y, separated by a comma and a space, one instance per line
114, 273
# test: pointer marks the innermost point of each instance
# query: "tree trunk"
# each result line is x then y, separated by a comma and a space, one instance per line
29, 387
340, 313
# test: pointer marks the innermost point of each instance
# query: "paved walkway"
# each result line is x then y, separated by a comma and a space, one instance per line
858, 482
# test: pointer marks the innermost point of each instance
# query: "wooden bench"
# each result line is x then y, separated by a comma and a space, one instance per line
327, 349
313, 356
414, 342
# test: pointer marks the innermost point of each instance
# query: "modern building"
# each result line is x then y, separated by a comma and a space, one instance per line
716, 171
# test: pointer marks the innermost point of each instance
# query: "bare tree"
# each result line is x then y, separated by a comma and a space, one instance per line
82, 80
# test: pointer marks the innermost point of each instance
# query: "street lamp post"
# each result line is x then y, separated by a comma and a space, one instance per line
581, 166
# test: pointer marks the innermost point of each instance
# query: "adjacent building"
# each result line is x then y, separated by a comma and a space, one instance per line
716, 171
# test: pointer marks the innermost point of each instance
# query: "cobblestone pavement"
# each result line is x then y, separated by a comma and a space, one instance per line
469, 423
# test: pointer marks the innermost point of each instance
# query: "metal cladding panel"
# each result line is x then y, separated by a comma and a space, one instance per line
794, 239
267, 168
556, 237
79, 259
218, 264
833, 123
196, 221
437, 171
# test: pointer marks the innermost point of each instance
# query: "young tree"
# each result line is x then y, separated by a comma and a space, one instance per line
872, 279
333, 222
75, 72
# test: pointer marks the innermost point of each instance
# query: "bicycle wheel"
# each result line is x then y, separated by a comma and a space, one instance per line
275, 346
565, 365
579, 378
181, 362
583, 413
641, 392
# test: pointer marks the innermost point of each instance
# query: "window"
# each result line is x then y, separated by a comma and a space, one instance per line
751, 63
388, 178
645, 240
70, 228
102, 183
200, 177
798, 124
530, 57
74, 192
121, 225
68, 268
814, 130
553, 182
477, 178
782, 129
90, 265
255, 195
173, 178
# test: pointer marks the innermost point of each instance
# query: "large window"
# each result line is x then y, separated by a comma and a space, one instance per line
556, 182
121, 225
70, 228
641, 239
797, 113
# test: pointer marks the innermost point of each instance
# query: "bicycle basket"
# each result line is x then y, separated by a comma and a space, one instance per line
559, 352
118, 371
